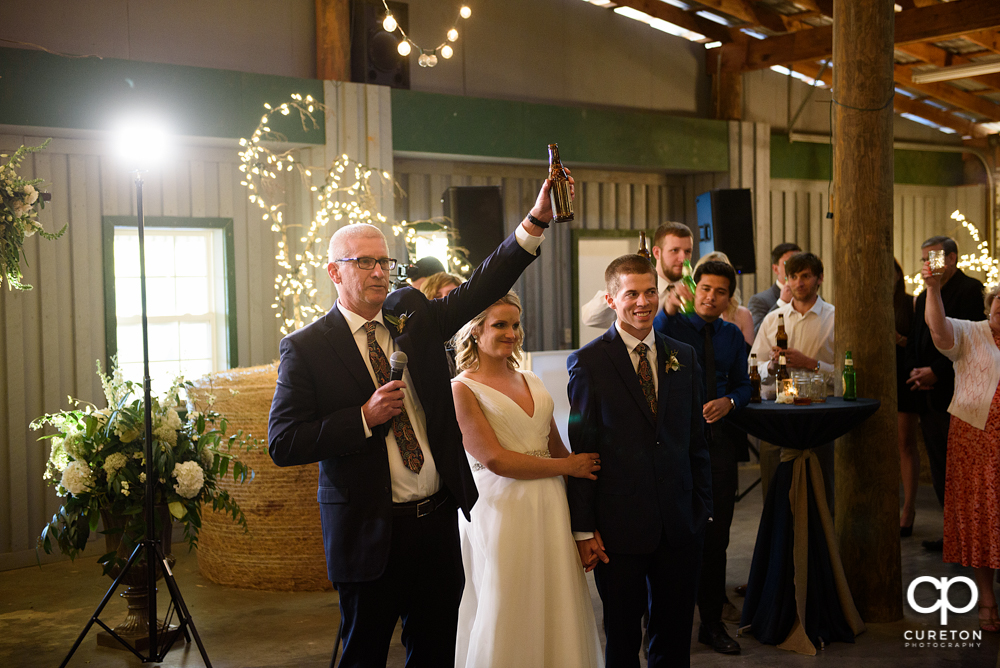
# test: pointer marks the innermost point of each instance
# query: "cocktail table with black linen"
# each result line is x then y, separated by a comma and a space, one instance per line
797, 595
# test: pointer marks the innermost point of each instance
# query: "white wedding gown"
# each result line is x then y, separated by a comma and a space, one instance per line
526, 601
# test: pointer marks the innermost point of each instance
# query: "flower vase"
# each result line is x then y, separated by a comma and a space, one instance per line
135, 627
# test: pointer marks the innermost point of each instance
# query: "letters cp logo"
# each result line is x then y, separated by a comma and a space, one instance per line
943, 603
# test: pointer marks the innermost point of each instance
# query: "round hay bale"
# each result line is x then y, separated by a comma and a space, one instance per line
284, 549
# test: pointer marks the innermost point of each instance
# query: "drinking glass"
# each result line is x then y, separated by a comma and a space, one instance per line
936, 259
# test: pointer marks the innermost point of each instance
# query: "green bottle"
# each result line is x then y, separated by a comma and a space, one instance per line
688, 280
850, 380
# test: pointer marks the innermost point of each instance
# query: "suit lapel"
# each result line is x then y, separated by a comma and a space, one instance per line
622, 361
665, 377
340, 337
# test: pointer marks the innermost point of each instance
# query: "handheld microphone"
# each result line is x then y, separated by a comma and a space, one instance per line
397, 362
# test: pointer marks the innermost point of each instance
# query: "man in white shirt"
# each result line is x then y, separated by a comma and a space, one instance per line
672, 244
809, 325
778, 294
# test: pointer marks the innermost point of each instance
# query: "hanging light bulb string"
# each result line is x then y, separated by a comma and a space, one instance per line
428, 57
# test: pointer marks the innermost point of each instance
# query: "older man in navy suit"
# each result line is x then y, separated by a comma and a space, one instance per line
392, 465
636, 399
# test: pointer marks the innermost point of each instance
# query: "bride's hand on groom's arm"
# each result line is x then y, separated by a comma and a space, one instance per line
591, 550
583, 465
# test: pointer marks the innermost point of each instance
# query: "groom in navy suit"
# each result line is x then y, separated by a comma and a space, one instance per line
392, 468
635, 399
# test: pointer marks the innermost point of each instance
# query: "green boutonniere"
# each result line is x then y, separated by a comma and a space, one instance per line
399, 322
672, 363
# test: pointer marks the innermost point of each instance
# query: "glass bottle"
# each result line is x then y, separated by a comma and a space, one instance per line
781, 338
754, 380
643, 249
559, 191
850, 380
687, 279
782, 372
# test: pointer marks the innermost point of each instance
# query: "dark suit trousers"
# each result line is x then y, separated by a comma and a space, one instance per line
712, 584
422, 583
665, 581
934, 426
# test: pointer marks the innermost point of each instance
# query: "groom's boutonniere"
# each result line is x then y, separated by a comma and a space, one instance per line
672, 363
399, 322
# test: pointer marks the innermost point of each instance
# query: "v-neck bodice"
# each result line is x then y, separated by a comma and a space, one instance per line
515, 429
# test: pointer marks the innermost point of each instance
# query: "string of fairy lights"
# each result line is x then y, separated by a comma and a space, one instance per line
981, 261
347, 196
427, 57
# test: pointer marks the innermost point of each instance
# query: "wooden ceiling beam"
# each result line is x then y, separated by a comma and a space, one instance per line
935, 22
988, 39
949, 94
903, 104
678, 17
748, 11
941, 58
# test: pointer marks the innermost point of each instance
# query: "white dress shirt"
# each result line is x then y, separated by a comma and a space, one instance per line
406, 485
597, 313
811, 333
630, 343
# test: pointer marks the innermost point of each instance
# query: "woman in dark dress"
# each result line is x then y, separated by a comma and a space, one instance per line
906, 415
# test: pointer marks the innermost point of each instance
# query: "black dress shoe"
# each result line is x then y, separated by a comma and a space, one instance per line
714, 635
934, 545
906, 532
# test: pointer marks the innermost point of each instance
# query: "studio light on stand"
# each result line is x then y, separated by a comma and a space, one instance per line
141, 145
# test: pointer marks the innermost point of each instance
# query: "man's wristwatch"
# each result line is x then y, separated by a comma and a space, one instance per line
817, 367
732, 403
535, 221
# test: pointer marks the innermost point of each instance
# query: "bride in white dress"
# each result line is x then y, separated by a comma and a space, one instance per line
526, 601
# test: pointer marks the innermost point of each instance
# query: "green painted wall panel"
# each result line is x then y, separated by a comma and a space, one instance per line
434, 123
40, 89
805, 160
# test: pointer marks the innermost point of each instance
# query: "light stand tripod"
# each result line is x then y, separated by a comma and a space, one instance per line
150, 546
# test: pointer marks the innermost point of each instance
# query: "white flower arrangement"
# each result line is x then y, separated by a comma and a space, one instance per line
19, 204
98, 458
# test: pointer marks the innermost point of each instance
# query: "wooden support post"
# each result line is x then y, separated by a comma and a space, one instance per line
867, 460
727, 79
333, 40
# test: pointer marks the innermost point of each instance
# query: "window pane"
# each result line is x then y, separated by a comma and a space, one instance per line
194, 369
129, 344
196, 341
126, 253
162, 374
192, 255
164, 342
160, 296
133, 372
192, 295
159, 255
128, 302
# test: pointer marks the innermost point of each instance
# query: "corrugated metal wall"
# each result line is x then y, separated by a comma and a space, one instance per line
51, 336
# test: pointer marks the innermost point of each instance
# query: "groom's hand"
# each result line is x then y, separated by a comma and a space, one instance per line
591, 550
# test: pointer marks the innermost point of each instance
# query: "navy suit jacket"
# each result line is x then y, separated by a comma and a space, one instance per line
316, 412
655, 475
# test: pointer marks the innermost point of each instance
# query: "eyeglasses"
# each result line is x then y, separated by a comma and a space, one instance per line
368, 263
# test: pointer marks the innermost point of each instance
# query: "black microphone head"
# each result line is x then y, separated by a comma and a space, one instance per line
398, 360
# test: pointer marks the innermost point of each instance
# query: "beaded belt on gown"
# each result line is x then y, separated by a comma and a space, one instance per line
544, 454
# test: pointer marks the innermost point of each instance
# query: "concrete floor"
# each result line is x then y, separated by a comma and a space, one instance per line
42, 610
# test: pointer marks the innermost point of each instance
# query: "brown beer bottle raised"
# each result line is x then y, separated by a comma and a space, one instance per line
559, 192
643, 250
781, 338
754, 380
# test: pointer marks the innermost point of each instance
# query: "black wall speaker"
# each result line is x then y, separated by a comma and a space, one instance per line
725, 223
374, 59
477, 216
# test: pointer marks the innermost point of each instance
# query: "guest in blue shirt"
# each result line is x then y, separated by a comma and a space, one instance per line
722, 353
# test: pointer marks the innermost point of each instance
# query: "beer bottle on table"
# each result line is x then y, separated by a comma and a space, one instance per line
559, 193
781, 338
688, 280
782, 373
643, 250
754, 380
850, 380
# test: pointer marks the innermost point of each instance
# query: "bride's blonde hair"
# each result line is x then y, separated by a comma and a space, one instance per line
466, 344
